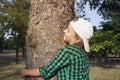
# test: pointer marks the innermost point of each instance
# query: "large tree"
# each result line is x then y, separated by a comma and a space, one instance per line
44, 36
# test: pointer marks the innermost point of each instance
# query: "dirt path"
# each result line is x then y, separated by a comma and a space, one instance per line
7, 57
10, 57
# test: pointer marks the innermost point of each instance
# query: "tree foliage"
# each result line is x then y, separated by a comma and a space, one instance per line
14, 15
106, 41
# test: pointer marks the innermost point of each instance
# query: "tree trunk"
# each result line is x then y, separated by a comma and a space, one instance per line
23, 50
17, 52
44, 36
1, 44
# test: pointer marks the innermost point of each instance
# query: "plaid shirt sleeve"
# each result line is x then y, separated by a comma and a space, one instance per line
59, 61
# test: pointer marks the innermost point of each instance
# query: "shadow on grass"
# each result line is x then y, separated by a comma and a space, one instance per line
3, 63
11, 75
110, 63
7, 58
9, 70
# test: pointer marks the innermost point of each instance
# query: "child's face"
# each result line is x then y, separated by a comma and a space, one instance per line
70, 35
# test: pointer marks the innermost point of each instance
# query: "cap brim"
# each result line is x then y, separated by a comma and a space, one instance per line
86, 44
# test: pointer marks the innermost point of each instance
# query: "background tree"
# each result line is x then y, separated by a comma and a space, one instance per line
110, 9
1, 39
102, 44
14, 15
8, 44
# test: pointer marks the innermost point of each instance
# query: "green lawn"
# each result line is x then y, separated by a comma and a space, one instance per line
11, 71
99, 73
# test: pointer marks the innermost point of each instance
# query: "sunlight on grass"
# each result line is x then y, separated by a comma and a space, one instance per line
11, 71
99, 73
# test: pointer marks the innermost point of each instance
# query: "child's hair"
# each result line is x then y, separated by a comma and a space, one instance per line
76, 36
75, 19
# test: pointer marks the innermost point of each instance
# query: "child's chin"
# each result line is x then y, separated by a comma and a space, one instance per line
66, 42
65, 39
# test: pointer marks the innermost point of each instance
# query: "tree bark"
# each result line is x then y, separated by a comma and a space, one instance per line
44, 36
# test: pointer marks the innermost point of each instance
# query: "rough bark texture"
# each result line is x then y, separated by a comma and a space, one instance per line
47, 20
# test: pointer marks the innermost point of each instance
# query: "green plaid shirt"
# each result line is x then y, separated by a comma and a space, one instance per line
70, 63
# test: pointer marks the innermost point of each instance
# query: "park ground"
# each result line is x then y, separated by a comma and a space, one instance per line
9, 70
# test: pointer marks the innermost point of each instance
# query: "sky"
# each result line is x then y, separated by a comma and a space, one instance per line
95, 19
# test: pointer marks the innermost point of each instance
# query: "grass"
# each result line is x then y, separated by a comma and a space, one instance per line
11, 71
99, 73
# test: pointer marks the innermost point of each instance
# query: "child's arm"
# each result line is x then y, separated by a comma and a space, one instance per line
30, 72
61, 60
47, 71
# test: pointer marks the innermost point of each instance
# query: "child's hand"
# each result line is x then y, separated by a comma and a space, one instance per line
30, 72
23, 72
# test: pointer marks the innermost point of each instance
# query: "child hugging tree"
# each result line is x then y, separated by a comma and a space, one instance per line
71, 62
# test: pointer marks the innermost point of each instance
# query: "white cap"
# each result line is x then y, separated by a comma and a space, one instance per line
84, 29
